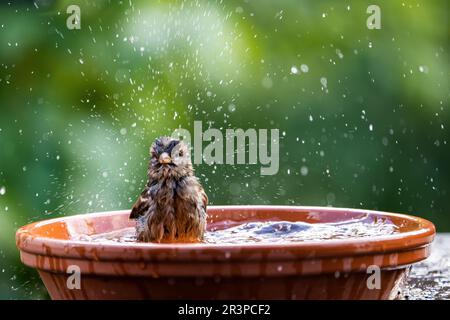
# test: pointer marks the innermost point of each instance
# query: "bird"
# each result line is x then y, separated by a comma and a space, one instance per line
172, 206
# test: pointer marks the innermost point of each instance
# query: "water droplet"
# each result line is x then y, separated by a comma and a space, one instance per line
2, 190
304, 68
304, 170
294, 70
423, 69
123, 131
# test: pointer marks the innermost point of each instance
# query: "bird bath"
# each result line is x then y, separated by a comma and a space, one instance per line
336, 255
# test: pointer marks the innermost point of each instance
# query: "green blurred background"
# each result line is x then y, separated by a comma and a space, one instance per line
363, 114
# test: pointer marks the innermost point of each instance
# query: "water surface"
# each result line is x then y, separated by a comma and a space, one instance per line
274, 232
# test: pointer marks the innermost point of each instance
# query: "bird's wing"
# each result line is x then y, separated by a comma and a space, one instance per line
141, 205
204, 198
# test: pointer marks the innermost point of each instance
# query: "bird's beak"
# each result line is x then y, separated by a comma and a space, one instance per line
164, 158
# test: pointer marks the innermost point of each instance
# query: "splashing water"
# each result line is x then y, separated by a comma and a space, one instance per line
284, 231
272, 232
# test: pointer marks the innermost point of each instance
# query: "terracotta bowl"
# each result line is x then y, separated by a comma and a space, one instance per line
327, 269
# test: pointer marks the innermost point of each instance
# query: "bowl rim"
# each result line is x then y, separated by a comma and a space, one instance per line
403, 241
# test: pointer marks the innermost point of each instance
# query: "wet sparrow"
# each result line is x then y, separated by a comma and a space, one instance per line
172, 207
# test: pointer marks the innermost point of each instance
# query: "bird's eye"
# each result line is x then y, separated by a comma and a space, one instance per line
180, 153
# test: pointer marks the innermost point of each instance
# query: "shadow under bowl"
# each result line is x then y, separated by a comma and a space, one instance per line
326, 269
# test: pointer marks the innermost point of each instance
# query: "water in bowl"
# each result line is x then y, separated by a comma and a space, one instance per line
274, 231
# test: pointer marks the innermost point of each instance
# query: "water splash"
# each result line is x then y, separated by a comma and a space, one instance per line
272, 232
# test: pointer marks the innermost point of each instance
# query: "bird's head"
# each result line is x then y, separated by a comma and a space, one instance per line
170, 158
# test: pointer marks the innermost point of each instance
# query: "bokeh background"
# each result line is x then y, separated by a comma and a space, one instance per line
363, 114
